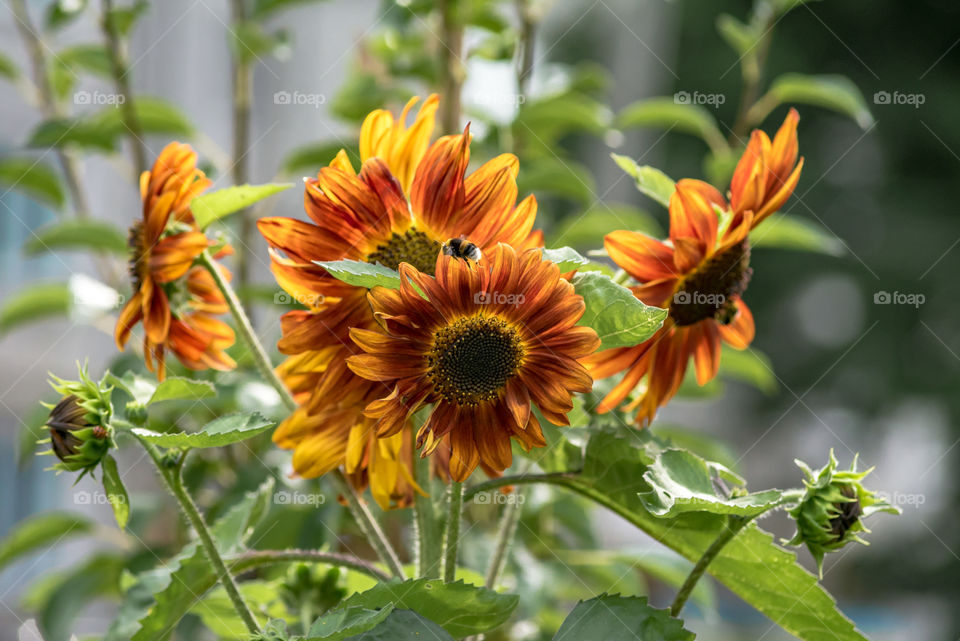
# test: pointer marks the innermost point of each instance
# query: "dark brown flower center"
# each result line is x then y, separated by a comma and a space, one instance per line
137, 261
473, 358
848, 513
710, 290
66, 417
413, 246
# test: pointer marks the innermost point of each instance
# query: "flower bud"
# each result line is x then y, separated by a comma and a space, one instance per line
80, 431
832, 508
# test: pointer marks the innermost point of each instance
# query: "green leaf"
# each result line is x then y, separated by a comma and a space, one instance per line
219, 615
460, 609
223, 202
8, 69
115, 491
67, 65
62, 598
749, 366
741, 38
34, 179
60, 13
566, 258
34, 303
552, 117
618, 317
670, 114
837, 93
681, 481
263, 8
177, 388
310, 158
565, 178
405, 625
650, 180
79, 234
361, 274
36, 532
619, 617
221, 431
342, 623
139, 388
785, 231
582, 230
124, 18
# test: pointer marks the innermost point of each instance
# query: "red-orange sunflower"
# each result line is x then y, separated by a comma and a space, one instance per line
699, 275
480, 342
408, 198
174, 298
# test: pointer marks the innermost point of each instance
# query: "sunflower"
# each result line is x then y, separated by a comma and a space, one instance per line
174, 298
480, 342
699, 275
408, 198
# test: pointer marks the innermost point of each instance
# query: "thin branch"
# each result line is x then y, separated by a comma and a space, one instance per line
452, 69
249, 560
121, 80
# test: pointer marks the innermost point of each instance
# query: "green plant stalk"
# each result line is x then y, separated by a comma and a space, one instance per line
242, 102
733, 526
451, 65
258, 558
508, 529
118, 68
364, 519
425, 516
451, 539
171, 476
518, 479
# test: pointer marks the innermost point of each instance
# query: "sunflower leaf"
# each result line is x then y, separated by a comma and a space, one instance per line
177, 388
225, 430
460, 609
650, 180
223, 202
115, 491
618, 617
618, 317
346, 622
361, 274
402, 625
566, 258
784, 231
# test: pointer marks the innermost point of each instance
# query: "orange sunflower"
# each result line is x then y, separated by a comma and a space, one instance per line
408, 198
174, 298
699, 275
480, 342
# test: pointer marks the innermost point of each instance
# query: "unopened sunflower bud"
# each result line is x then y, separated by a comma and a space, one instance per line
831, 511
80, 431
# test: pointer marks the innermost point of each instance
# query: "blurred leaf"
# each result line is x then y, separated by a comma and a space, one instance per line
224, 430
749, 366
618, 317
223, 202
650, 180
177, 388
67, 65
741, 38
32, 429
104, 129
566, 258
36, 302
310, 158
552, 175
668, 114
362, 93
360, 274
79, 234
617, 617
34, 178
553, 117
65, 597
39, 531
342, 623
782, 6
458, 608
124, 18
586, 230
681, 481
405, 625
139, 388
786, 231
115, 491
837, 93
249, 42
8, 69
60, 13
263, 8
219, 615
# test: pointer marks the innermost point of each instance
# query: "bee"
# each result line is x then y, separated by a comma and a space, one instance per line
462, 248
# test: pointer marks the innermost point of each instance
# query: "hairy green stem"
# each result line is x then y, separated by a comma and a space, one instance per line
519, 479
451, 539
425, 518
258, 558
368, 525
731, 528
508, 529
172, 477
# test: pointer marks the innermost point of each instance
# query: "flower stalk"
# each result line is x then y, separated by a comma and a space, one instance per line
731, 528
451, 539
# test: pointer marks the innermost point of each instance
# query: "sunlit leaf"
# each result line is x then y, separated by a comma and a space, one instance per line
650, 180
618, 317
177, 388
225, 430
361, 274
566, 258
223, 202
